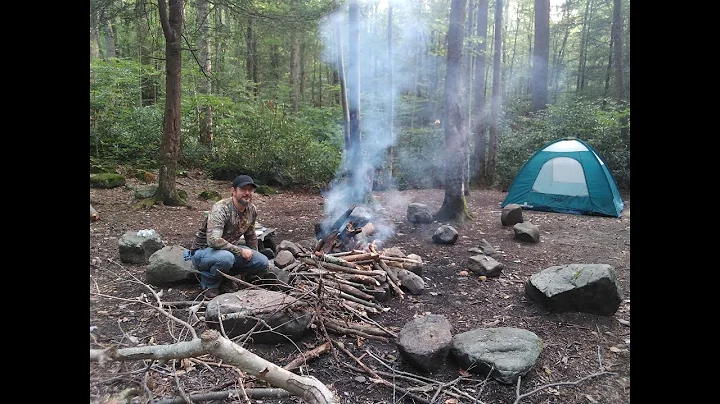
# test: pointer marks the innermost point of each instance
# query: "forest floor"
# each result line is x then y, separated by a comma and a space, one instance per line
575, 344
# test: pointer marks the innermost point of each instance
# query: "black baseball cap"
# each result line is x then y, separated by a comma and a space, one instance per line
242, 180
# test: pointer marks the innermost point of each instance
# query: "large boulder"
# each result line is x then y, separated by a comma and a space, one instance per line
136, 247
505, 352
168, 266
273, 317
587, 288
424, 342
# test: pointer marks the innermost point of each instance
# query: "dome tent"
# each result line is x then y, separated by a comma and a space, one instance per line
566, 176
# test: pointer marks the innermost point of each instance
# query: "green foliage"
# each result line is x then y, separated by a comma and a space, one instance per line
255, 137
269, 143
597, 123
120, 128
106, 180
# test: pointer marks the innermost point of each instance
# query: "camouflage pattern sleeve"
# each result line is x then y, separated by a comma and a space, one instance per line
251, 239
217, 218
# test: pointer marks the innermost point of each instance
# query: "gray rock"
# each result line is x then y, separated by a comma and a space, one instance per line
424, 342
136, 248
505, 352
284, 258
287, 245
284, 317
487, 248
587, 288
484, 266
445, 234
419, 213
410, 281
527, 231
167, 266
511, 215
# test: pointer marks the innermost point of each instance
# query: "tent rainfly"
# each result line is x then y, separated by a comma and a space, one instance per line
566, 176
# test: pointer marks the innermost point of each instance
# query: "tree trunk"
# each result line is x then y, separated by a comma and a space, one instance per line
309, 389
352, 147
94, 46
496, 96
617, 43
148, 85
583, 48
454, 204
294, 67
479, 84
558, 62
110, 51
539, 93
218, 54
387, 174
251, 57
171, 18
206, 114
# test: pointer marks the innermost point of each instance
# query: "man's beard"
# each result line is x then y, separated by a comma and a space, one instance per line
243, 202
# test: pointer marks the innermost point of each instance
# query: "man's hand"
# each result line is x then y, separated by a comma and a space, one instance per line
247, 254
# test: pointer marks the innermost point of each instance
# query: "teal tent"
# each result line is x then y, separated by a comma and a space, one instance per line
566, 176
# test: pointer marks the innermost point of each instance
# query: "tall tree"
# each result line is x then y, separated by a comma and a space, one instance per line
479, 84
618, 48
204, 57
496, 96
454, 206
385, 178
251, 61
294, 65
541, 54
171, 19
353, 85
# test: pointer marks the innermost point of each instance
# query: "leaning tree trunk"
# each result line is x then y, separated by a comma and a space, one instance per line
170, 146
454, 204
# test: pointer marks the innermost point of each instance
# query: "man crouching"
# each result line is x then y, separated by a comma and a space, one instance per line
215, 245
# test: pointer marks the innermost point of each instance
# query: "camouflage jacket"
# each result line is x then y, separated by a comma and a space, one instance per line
225, 225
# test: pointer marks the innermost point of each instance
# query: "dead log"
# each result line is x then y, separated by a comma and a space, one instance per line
361, 257
364, 328
348, 270
339, 329
388, 258
351, 290
334, 260
211, 342
308, 355
391, 279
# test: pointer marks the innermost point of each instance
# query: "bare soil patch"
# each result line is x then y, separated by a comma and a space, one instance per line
574, 343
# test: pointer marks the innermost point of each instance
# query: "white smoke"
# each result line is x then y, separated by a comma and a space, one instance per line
353, 182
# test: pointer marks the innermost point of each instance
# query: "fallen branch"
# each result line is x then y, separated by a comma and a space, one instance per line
227, 394
211, 342
305, 356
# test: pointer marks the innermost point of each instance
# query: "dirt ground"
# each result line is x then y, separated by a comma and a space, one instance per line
575, 344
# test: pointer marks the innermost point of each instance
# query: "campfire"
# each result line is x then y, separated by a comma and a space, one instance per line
349, 272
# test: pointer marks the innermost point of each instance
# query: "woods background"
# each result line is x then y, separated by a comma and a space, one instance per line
282, 89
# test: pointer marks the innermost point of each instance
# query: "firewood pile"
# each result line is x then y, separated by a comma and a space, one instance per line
346, 278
